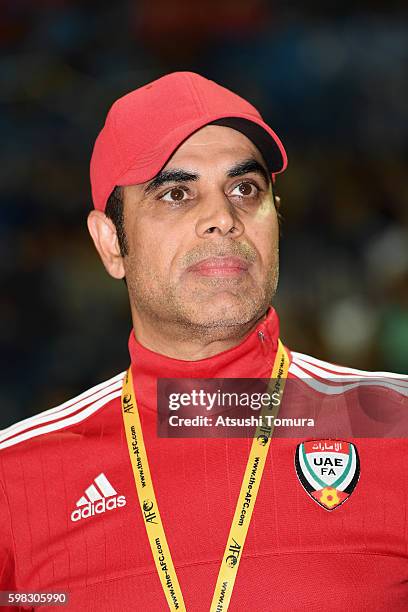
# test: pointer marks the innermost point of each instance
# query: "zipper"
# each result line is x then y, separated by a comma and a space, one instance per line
263, 342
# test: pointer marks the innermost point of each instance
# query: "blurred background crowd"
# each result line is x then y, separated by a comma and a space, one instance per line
330, 78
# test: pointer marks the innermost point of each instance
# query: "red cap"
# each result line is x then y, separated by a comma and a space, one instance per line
144, 127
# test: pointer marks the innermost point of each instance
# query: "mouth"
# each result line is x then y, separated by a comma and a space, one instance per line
220, 267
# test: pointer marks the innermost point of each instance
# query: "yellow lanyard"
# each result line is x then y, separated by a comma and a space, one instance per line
245, 504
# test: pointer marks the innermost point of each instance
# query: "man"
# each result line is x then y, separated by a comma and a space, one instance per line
97, 505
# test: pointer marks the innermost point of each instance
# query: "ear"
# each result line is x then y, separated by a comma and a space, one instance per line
277, 202
104, 235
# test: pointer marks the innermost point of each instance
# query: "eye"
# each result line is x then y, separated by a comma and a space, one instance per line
176, 194
245, 190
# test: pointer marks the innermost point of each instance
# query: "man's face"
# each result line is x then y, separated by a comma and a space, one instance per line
203, 235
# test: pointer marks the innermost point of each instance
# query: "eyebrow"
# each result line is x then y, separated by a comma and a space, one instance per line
170, 176
247, 166
178, 175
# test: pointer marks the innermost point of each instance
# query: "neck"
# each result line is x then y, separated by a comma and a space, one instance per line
189, 343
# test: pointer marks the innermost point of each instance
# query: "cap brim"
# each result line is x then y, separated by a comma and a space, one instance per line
269, 144
263, 137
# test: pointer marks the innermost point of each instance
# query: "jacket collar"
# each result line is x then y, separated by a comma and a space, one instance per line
253, 357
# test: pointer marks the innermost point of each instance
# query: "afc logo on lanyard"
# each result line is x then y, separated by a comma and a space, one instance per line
328, 470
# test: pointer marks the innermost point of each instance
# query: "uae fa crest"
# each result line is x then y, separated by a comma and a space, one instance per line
328, 470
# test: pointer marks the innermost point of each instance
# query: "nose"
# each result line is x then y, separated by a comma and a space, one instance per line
218, 217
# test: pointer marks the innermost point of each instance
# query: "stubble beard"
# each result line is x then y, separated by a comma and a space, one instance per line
191, 314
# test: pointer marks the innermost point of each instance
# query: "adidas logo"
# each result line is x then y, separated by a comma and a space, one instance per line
99, 497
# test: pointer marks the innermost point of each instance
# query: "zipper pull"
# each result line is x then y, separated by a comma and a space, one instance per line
263, 341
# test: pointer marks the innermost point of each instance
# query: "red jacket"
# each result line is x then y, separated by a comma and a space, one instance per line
70, 518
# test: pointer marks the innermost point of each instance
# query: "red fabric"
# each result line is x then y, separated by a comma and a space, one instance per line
144, 128
297, 556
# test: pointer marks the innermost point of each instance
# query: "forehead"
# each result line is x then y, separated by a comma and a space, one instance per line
212, 145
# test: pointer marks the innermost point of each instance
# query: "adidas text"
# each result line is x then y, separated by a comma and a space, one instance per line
98, 507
